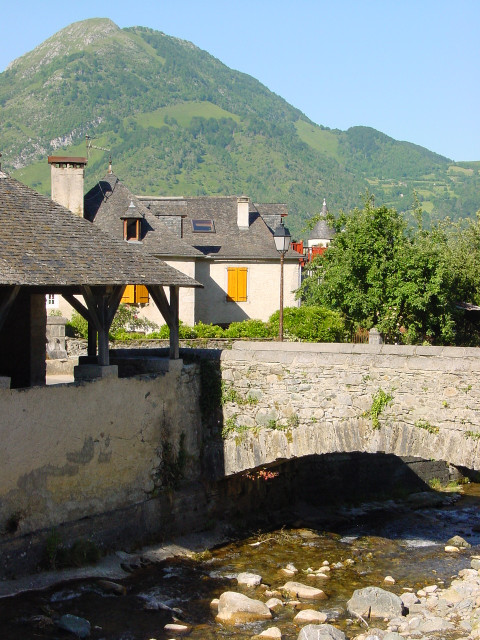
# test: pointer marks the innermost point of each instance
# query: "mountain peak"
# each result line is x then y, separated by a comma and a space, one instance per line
75, 37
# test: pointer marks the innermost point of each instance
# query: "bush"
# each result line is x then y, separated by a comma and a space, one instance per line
311, 324
77, 327
208, 331
249, 329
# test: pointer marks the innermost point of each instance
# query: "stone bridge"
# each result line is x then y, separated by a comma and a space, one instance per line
284, 401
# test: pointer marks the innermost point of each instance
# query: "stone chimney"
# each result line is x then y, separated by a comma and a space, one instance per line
243, 212
67, 182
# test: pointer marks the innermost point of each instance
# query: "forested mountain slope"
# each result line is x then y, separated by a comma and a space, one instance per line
179, 122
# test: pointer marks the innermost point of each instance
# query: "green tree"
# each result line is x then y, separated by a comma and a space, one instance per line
378, 272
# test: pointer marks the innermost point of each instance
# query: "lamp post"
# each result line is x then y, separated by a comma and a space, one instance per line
282, 239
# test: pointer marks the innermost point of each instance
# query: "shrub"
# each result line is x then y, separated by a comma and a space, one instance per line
77, 327
208, 331
249, 329
311, 324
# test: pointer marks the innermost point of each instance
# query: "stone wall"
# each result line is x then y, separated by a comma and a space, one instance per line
290, 400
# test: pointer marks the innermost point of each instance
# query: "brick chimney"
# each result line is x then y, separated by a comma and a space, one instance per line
243, 212
67, 182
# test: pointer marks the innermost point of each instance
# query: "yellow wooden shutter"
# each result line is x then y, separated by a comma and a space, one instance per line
237, 284
242, 284
129, 295
141, 294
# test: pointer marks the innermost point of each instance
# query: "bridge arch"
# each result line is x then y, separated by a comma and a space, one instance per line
291, 400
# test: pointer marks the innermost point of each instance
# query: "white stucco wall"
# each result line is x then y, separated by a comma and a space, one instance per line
263, 290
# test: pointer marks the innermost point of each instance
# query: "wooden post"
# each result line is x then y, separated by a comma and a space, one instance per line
92, 340
174, 328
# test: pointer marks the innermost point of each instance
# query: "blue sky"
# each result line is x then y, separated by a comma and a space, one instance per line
409, 68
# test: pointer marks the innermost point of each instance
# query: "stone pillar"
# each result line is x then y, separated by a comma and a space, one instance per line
375, 337
56, 349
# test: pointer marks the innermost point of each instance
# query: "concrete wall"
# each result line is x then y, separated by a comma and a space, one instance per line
263, 291
71, 451
294, 400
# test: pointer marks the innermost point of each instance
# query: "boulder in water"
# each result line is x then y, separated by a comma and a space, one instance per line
375, 602
235, 608
320, 632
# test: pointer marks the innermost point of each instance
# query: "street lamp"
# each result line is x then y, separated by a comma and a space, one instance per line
282, 239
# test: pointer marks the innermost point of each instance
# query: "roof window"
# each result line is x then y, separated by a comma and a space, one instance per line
203, 226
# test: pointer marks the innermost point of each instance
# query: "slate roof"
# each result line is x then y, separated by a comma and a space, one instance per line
42, 243
228, 241
322, 230
106, 204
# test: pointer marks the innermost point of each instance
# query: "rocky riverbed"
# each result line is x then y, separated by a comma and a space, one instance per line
393, 572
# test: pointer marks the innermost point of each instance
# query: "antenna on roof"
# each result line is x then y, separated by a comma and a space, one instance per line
88, 141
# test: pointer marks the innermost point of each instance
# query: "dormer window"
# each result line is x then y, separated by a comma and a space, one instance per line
132, 229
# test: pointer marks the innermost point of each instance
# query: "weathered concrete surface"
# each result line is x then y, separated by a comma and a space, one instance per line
293, 400
90, 448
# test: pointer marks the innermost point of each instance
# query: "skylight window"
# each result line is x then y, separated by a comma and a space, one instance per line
203, 226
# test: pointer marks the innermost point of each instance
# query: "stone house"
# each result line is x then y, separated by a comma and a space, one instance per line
224, 243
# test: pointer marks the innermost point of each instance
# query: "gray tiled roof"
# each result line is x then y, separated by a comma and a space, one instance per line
228, 241
106, 204
322, 230
42, 243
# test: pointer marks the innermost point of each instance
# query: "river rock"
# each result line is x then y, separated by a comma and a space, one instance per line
380, 603
249, 579
235, 608
112, 587
458, 541
299, 590
320, 632
434, 625
73, 624
310, 615
475, 563
449, 548
274, 604
409, 599
272, 632
389, 580
214, 604
177, 628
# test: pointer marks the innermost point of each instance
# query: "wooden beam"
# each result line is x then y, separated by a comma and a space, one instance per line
114, 302
7, 302
160, 299
77, 305
170, 312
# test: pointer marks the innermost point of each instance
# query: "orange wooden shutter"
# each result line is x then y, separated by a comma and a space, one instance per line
141, 294
128, 295
237, 284
242, 284
232, 284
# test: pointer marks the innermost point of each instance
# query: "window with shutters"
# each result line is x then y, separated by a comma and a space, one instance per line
237, 284
135, 294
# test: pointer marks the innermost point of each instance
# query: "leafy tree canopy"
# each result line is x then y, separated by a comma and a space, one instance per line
379, 272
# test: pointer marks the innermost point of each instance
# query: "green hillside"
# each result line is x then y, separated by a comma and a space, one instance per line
179, 122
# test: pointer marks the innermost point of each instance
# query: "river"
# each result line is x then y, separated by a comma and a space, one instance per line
403, 543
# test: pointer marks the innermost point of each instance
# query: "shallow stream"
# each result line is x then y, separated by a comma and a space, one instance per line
408, 545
